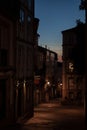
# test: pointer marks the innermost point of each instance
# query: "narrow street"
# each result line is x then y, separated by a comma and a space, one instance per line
54, 116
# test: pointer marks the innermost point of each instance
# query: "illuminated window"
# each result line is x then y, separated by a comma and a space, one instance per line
71, 67
29, 4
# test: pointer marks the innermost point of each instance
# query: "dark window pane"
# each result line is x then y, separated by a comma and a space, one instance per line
3, 57
21, 15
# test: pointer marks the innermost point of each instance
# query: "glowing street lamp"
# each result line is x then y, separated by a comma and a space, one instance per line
48, 83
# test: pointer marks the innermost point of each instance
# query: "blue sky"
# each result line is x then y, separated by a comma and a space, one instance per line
56, 16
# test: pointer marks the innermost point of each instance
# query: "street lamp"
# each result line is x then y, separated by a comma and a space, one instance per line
48, 83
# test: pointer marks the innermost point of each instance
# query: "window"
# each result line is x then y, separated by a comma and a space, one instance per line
71, 83
21, 16
3, 57
28, 18
29, 4
29, 28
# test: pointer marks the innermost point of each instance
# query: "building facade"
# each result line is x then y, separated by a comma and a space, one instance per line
39, 79
51, 75
59, 80
45, 75
73, 63
24, 60
7, 61
16, 60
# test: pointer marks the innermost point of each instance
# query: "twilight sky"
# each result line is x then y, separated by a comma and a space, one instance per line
56, 16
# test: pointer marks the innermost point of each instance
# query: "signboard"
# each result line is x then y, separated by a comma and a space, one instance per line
37, 79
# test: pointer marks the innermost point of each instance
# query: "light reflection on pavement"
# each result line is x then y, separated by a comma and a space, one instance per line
53, 116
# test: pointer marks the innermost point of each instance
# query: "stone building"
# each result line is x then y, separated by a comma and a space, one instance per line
7, 60
51, 69
73, 62
24, 60
59, 80
45, 75
39, 79
16, 60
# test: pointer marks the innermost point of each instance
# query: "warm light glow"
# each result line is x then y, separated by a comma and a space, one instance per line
71, 68
17, 83
24, 83
48, 83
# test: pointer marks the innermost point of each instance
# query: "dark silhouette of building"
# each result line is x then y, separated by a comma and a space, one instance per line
24, 60
39, 79
83, 6
59, 80
45, 74
7, 61
74, 62
16, 60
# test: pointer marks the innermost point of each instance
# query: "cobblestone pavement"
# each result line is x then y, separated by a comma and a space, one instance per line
54, 116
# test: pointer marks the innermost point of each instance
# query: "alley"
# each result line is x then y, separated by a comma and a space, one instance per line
54, 116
